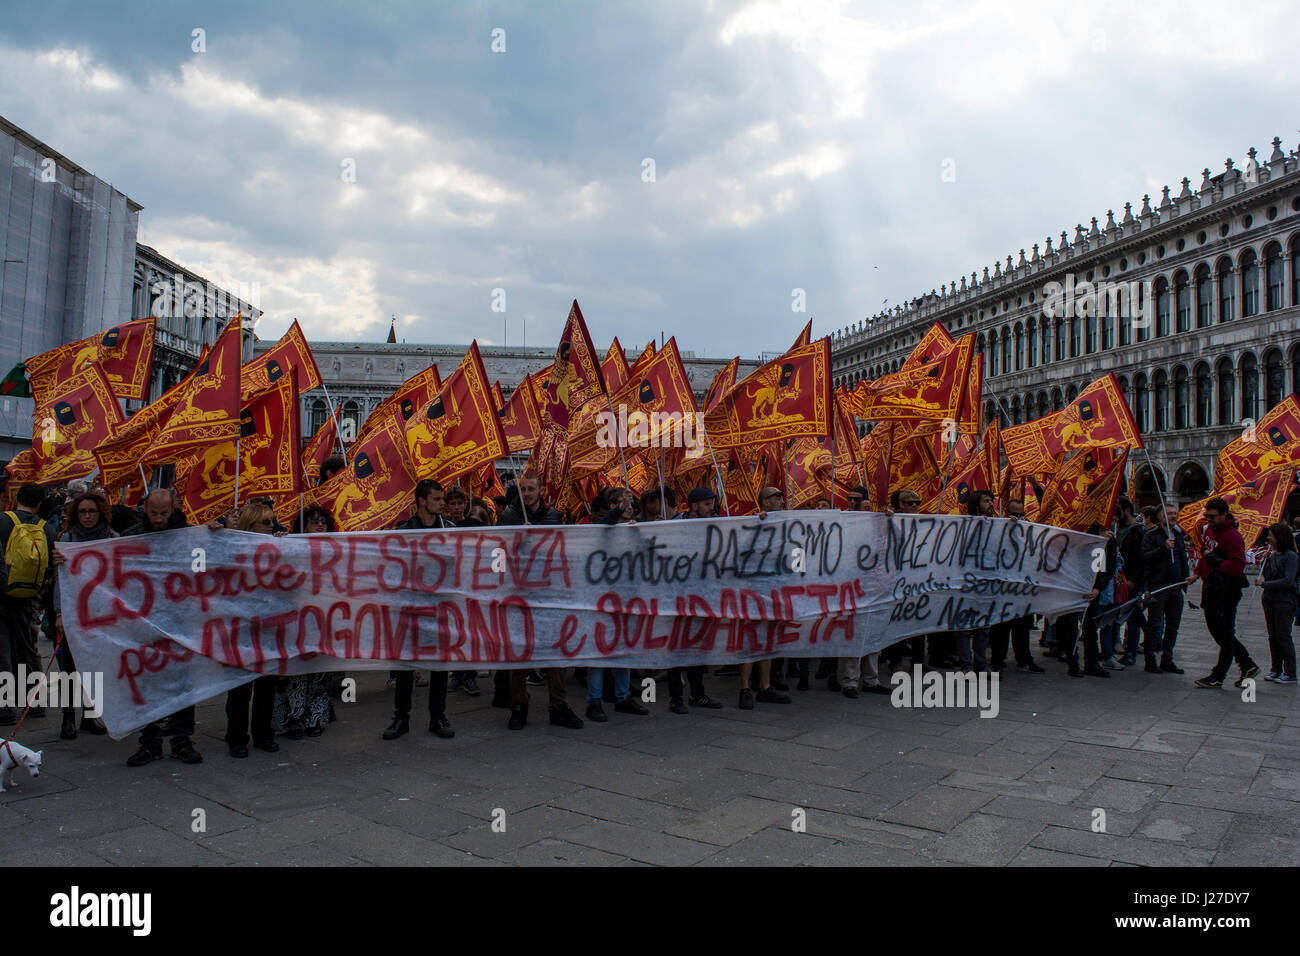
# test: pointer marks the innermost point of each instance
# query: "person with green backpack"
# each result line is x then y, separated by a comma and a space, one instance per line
27, 544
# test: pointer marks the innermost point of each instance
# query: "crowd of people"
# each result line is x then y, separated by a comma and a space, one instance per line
1146, 553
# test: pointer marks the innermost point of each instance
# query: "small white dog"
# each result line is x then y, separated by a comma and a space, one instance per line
14, 755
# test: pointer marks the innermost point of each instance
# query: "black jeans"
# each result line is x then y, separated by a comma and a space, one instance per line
1015, 633
1278, 617
1221, 618
180, 725
437, 694
1067, 637
262, 693
694, 676
1162, 626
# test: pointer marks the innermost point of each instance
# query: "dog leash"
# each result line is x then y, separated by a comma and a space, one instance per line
58, 642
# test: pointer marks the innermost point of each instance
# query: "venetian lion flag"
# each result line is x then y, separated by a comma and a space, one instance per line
459, 430
77, 414
321, 446
654, 409
573, 380
933, 390
1255, 505
875, 451
290, 353
124, 352
1273, 441
269, 463
119, 455
722, 383
520, 419
1098, 418
375, 490
1098, 503
1073, 483
786, 398
971, 472
405, 403
207, 405
614, 367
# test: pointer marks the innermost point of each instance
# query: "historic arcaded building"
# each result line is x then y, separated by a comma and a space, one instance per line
1193, 302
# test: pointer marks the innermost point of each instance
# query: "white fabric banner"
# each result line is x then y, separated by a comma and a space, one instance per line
174, 618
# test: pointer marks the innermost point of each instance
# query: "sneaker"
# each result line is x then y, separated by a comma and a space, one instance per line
269, 745
1111, 664
238, 751
631, 706
1030, 668
1272, 675
565, 717
470, 686
596, 713
770, 696
1247, 674
441, 726
1096, 671
537, 679
877, 689
1288, 679
746, 699
1210, 681
143, 756
1128, 660
707, 702
184, 752
1169, 667
678, 706
518, 717
399, 726
1075, 671
850, 692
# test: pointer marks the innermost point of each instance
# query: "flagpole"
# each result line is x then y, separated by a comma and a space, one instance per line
722, 486
338, 431
663, 499
835, 412
618, 441
238, 456
143, 478
1152, 468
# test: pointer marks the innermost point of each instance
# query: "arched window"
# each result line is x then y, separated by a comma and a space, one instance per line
1227, 392
1161, 388
1089, 333
1182, 399
1162, 306
1015, 411
351, 413
1020, 347
1249, 283
990, 411
1182, 302
1059, 353
1032, 340
1047, 340
1249, 387
1043, 406
1226, 282
1295, 370
1143, 310
1204, 296
1006, 349
1058, 400
1204, 396
1071, 393
1274, 379
1273, 277
1107, 331
1076, 343
993, 354
319, 413
1141, 401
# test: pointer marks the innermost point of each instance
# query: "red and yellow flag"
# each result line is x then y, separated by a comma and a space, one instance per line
520, 419
291, 352
1097, 505
722, 383
1098, 418
375, 490
459, 430
646, 355
614, 367
409, 398
786, 398
932, 390
124, 352
1255, 504
76, 415
207, 407
119, 456
574, 379
970, 472
269, 463
321, 446
1074, 482
1274, 441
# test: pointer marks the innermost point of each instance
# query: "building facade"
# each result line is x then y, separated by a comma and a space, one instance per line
67, 242
1193, 303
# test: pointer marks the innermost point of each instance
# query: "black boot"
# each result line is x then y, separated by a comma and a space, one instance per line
69, 729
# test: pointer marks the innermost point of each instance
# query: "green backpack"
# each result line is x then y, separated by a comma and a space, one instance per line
28, 557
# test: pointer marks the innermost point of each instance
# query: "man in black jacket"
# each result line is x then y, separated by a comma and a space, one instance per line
429, 502
1164, 562
159, 515
1130, 550
531, 508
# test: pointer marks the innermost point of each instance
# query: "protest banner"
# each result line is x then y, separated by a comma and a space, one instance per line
174, 618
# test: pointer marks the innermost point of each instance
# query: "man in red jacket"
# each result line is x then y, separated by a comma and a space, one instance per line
1221, 569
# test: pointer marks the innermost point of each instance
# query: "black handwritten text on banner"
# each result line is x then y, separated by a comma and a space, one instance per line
795, 584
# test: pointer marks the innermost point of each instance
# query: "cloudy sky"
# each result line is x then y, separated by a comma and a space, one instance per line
674, 166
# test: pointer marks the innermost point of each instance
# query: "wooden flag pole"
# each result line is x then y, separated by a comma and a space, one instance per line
722, 486
237, 457
338, 431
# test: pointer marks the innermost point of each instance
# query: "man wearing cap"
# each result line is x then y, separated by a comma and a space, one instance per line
699, 504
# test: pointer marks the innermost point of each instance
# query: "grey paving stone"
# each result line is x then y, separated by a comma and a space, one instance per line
1037, 856
636, 843
899, 779
847, 828
1192, 826
422, 818
775, 846
1073, 817
389, 846
521, 828
1069, 771
1036, 789
794, 793
1122, 849
552, 852
1279, 784
1221, 762
984, 840
998, 765
1232, 802
263, 841
1257, 849
730, 822
1126, 796
872, 854
152, 846
937, 807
